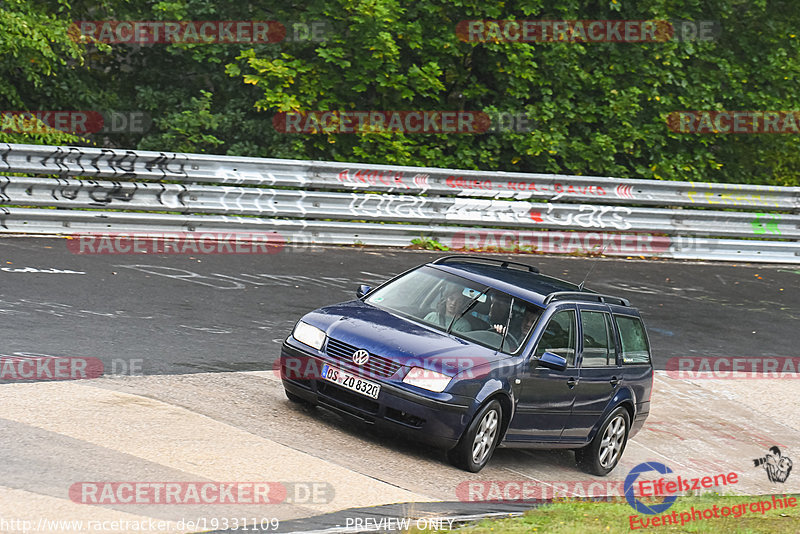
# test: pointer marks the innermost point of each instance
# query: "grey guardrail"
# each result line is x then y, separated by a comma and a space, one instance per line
101, 190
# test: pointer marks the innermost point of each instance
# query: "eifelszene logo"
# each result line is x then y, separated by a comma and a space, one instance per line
630, 485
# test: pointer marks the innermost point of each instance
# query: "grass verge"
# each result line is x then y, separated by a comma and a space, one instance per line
581, 516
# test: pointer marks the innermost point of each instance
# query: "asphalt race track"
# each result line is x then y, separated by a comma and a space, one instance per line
187, 345
210, 313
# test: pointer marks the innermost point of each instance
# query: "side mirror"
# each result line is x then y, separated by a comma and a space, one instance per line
362, 290
552, 361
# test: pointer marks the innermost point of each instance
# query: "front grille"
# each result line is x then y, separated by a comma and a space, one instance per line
376, 366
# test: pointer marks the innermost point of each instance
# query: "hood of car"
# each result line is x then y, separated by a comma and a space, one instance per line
385, 334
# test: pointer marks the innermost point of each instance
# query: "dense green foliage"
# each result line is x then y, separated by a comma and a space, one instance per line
599, 108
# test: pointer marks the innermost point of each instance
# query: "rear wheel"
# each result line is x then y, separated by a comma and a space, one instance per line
605, 450
479, 440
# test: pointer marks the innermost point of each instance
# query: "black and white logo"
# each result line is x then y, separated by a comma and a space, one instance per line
776, 465
360, 357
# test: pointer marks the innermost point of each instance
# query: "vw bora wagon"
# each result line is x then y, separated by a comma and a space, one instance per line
471, 353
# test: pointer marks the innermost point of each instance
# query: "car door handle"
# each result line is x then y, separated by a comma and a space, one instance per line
615, 381
572, 382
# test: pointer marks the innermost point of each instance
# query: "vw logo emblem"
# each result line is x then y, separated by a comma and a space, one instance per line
360, 357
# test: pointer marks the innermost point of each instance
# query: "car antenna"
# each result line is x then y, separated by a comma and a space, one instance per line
594, 264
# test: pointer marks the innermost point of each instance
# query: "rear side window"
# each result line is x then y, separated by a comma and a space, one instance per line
598, 345
559, 336
633, 339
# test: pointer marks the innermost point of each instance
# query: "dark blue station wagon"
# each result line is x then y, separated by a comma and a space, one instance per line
470, 353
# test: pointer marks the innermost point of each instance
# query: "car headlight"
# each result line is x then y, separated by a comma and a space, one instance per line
427, 379
309, 335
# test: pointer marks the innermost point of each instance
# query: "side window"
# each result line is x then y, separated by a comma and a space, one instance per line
524, 317
559, 337
633, 339
597, 348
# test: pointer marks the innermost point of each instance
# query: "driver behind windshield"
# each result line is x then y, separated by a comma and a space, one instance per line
450, 307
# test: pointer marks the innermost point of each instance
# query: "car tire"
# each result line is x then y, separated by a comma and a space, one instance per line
297, 399
479, 440
601, 456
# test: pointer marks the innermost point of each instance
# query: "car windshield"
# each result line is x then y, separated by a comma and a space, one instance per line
459, 306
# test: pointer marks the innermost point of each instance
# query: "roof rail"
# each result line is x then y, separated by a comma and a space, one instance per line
585, 295
503, 263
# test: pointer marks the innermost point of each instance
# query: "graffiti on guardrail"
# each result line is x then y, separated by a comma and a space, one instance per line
100, 195
730, 196
373, 177
121, 164
555, 190
585, 215
473, 209
766, 223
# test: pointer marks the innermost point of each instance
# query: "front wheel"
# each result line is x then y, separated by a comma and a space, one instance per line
603, 453
479, 440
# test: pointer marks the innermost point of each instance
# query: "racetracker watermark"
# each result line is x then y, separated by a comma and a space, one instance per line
116, 493
364, 122
732, 368
185, 31
436, 371
177, 243
75, 122
535, 490
734, 122
586, 31
511, 122
179, 493
553, 242
43, 367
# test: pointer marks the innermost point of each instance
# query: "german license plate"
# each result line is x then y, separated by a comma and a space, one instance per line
351, 381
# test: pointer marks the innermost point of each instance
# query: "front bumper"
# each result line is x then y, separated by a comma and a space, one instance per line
426, 419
